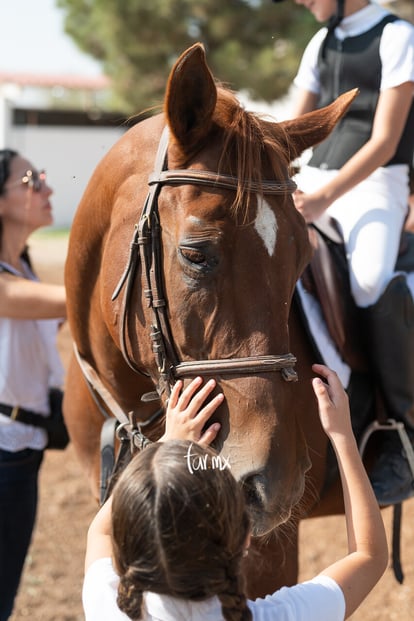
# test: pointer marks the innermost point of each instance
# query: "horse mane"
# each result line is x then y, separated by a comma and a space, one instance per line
254, 144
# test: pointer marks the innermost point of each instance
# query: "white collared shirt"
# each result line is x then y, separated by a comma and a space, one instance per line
29, 365
396, 49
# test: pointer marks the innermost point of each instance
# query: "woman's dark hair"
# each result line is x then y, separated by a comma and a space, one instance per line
6, 156
179, 527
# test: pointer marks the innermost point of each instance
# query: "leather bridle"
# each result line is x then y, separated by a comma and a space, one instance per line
145, 248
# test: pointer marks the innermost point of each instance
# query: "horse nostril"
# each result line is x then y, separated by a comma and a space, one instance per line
254, 488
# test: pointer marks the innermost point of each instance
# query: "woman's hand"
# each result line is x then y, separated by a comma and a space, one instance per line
309, 205
186, 416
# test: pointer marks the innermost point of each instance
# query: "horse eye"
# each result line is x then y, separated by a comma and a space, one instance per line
194, 256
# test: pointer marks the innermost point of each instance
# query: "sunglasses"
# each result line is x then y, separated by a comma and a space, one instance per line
33, 179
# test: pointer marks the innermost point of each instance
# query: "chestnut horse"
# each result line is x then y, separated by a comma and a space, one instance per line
183, 258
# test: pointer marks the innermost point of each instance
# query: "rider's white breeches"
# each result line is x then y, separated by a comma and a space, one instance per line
371, 217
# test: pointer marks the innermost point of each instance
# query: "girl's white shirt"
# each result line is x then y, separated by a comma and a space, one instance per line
320, 599
29, 365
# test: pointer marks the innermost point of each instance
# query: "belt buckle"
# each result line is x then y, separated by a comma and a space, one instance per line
15, 412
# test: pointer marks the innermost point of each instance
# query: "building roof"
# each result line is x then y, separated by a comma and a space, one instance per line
76, 82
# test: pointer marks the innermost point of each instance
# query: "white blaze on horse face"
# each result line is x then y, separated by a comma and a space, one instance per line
266, 224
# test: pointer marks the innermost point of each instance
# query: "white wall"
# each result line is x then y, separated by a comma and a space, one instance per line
68, 154
5, 121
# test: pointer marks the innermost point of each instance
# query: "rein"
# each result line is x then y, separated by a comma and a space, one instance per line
145, 248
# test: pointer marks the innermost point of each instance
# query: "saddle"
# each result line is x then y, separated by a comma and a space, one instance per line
327, 278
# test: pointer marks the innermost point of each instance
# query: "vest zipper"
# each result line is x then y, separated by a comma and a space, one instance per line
337, 69
336, 88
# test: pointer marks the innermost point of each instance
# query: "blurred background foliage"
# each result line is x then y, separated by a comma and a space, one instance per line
251, 45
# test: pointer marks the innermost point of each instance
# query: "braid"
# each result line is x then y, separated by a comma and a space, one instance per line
233, 599
130, 597
173, 531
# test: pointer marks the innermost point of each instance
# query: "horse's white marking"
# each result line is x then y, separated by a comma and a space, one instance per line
266, 225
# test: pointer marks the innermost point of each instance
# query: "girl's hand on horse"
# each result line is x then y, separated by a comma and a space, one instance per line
333, 403
186, 418
187, 415
309, 205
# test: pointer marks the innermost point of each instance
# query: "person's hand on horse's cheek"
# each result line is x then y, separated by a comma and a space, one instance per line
187, 416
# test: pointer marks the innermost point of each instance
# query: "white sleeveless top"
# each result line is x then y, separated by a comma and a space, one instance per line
29, 365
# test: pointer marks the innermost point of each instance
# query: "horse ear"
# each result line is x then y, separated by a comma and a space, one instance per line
311, 128
191, 97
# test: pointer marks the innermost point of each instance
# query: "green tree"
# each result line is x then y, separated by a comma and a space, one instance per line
254, 45
404, 8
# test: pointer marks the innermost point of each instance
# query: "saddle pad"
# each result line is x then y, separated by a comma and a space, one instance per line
319, 331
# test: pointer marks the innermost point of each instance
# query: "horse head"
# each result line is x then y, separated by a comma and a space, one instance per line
215, 255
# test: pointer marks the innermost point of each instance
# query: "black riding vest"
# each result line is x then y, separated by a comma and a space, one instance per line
355, 62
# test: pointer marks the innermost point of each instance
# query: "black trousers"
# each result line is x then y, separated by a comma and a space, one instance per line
18, 505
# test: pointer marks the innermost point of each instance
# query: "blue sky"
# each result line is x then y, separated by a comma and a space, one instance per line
32, 39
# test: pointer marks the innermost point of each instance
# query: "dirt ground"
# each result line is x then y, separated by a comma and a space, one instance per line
51, 586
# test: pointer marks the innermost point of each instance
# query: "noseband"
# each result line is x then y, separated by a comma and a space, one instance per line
146, 248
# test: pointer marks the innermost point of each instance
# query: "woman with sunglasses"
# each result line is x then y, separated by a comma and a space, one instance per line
30, 315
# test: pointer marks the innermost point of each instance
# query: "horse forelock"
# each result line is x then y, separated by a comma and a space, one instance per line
253, 149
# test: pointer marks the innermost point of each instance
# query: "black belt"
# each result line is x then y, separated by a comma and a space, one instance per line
23, 416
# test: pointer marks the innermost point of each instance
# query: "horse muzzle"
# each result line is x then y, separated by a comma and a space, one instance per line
270, 504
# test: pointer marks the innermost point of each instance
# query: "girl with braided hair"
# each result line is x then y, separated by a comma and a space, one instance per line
169, 543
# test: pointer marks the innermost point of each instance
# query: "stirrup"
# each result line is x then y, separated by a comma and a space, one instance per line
390, 425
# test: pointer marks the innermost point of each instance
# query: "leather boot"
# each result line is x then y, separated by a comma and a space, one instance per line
389, 327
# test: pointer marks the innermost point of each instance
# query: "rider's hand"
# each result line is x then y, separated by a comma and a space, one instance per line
309, 205
332, 401
186, 416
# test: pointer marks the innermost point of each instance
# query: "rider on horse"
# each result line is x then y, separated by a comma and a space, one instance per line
359, 175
